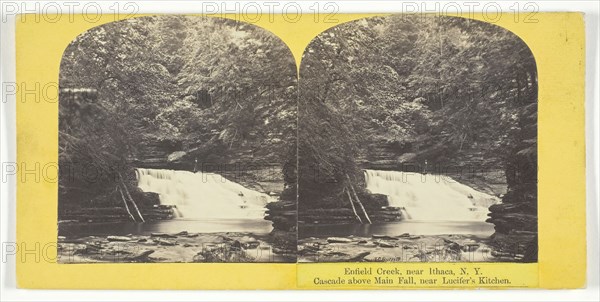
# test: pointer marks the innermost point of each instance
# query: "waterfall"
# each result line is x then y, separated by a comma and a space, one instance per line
203, 195
430, 197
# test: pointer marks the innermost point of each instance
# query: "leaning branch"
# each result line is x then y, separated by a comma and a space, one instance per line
358, 200
131, 199
352, 204
360, 204
126, 206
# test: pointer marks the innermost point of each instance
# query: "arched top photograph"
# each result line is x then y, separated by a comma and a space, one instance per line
418, 130
174, 134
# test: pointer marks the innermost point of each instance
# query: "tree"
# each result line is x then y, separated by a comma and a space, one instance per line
444, 88
215, 88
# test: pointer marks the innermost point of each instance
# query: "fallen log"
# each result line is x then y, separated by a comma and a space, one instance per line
358, 200
131, 199
352, 204
126, 206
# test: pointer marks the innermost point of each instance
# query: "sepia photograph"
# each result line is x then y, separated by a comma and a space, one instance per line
417, 143
177, 143
324, 149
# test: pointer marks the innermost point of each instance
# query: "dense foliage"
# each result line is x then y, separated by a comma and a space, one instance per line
439, 89
215, 89
442, 89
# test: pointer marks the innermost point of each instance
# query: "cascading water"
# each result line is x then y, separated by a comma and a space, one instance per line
430, 197
203, 195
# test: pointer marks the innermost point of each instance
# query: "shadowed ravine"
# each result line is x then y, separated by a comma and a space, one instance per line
217, 220
441, 220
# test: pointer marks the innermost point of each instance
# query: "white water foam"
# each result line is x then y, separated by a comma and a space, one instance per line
203, 195
429, 197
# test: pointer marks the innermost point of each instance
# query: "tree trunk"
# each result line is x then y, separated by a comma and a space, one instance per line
360, 204
358, 200
131, 199
352, 204
126, 206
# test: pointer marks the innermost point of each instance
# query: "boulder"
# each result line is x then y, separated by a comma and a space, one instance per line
453, 246
118, 238
386, 244
384, 237
165, 242
142, 255
470, 247
359, 256
338, 240
344, 257
247, 239
175, 156
236, 245
162, 235
308, 248
250, 245
146, 199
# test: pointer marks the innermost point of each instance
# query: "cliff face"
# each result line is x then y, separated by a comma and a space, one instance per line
515, 219
427, 154
284, 215
385, 156
160, 155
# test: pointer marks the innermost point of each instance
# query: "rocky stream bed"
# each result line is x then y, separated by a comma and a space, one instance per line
402, 248
168, 248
